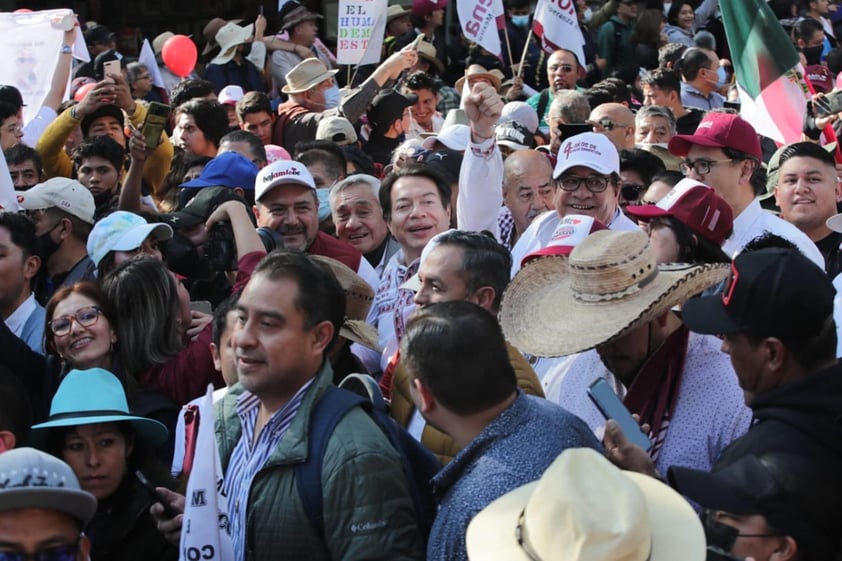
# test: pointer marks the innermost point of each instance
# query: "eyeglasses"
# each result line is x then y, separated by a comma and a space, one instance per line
724, 536
702, 167
631, 191
566, 68
606, 124
594, 183
85, 317
65, 552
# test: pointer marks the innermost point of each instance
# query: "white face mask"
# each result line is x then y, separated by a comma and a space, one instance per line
587, 15
332, 97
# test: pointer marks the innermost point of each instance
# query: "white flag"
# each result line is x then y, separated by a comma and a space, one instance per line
147, 58
205, 530
558, 28
8, 198
481, 22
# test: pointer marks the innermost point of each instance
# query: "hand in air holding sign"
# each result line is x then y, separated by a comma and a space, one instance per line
483, 106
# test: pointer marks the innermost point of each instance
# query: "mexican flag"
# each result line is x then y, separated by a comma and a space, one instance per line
770, 78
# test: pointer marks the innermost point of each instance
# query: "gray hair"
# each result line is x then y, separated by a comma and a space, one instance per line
358, 178
655, 111
571, 106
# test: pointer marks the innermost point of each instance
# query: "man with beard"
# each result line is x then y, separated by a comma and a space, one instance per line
562, 72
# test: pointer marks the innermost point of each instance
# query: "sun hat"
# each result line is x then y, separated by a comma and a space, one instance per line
514, 135
159, 40
228, 38
396, 11
86, 397
772, 292
359, 297
336, 128
569, 233
612, 285
719, 130
454, 137
62, 193
230, 95
229, 169
34, 479
479, 72
694, 204
282, 172
588, 149
292, 13
305, 75
209, 33
586, 509
428, 52
122, 231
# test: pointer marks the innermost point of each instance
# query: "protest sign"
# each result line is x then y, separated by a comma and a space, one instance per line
481, 21
360, 30
556, 25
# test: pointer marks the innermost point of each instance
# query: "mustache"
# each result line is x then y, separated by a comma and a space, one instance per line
291, 230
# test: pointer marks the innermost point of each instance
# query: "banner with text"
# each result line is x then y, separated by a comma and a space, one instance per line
30, 42
481, 22
360, 30
556, 25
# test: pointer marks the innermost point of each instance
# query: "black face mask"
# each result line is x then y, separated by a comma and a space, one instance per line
45, 246
813, 55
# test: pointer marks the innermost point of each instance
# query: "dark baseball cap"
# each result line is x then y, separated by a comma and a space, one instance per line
771, 292
797, 495
108, 110
11, 95
201, 206
447, 162
98, 34
388, 106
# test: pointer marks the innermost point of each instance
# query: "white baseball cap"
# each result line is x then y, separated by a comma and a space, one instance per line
589, 149
282, 172
62, 193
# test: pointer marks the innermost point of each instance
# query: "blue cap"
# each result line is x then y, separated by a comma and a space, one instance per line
229, 169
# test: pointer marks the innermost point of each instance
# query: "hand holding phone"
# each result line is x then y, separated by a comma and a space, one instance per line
612, 408
110, 67
156, 119
828, 104
154, 494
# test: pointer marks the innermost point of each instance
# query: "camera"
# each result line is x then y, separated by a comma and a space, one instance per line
220, 249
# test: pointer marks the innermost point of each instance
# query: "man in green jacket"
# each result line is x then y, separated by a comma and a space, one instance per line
287, 317
614, 42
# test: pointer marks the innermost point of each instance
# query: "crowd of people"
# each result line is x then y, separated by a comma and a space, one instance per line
592, 313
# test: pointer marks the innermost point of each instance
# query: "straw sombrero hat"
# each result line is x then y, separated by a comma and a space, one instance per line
610, 285
358, 299
479, 72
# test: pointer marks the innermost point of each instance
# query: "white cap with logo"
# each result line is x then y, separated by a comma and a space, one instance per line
589, 149
282, 172
62, 193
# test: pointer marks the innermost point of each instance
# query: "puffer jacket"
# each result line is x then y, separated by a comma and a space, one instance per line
368, 513
437, 442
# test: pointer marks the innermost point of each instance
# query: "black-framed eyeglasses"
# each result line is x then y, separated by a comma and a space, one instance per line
631, 191
593, 183
85, 317
63, 552
702, 167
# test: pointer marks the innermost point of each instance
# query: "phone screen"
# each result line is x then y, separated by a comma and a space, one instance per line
612, 408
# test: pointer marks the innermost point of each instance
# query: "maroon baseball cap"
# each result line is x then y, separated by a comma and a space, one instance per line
697, 206
569, 233
719, 130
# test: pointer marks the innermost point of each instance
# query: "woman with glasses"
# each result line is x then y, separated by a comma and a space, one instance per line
90, 428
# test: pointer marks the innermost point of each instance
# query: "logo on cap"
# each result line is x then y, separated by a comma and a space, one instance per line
581, 146
281, 173
705, 125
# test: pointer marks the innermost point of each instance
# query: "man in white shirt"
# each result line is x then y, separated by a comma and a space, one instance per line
23, 315
723, 153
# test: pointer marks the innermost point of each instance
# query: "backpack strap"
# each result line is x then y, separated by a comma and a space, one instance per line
326, 414
543, 101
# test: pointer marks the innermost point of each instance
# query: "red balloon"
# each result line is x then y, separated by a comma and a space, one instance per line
180, 55
83, 91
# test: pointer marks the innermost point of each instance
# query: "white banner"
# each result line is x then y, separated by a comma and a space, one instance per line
556, 25
30, 43
360, 29
481, 21
147, 58
205, 531
8, 198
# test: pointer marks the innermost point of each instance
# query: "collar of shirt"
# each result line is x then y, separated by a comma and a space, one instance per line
247, 408
17, 319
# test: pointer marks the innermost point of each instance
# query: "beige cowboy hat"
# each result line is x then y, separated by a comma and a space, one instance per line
428, 52
229, 37
358, 299
586, 509
159, 40
296, 16
477, 71
610, 285
396, 11
306, 74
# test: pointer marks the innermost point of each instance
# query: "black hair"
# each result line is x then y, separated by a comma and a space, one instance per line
669, 177
101, 147
693, 61
20, 153
7, 110
188, 89
663, 79
220, 316
768, 240
692, 248
210, 116
420, 80
21, 231
617, 87
806, 150
325, 152
644, 163
805, 28
670, 54
672, 14
834, 60
362, 161
15, 408
253, 102
256, 149
485, 261
413, 170
458, 337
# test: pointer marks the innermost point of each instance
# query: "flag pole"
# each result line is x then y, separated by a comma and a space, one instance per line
525, 50
508, 44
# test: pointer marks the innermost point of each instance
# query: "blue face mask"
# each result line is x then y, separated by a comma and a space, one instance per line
520, 21
721, 77
332, 97
324, 203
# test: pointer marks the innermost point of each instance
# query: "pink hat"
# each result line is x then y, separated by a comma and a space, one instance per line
275, 153
719, 130
697, 206
569, 233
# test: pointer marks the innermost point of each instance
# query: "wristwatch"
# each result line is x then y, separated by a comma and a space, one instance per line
66, 49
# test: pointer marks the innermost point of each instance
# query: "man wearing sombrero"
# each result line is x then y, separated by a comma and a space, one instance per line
608, 308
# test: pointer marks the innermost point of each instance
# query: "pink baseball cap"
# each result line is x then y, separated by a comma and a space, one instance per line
719, 130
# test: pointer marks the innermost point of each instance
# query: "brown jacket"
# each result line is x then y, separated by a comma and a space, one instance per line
433, 439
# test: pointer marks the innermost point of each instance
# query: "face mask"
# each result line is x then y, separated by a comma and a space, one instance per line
45, 246
721, 77
324, 204
520, 21
825, 49
332, 97
587, 15
813, 55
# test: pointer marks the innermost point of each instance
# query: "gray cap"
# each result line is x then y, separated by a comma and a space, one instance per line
30, 478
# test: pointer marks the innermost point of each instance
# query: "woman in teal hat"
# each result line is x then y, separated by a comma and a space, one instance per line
90, 428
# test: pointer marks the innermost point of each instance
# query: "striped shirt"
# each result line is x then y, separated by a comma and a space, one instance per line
248, 459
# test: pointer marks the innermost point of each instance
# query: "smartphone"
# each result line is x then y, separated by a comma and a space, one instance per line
716, 554
156, 120
417, 41
201, 306
612, 408
154, 494
828, 104
111, 67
